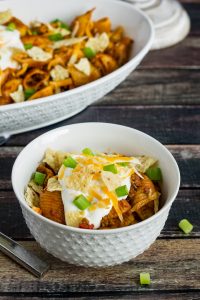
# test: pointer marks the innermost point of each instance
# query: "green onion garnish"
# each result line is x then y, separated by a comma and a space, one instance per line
87, 151
154, 174
121, 191
64, 25
110, 168
28, 46
28, 93
11, 26
55, 37
61, 24
81, 202
34, 32
55, 21
185, 225
70, 162
89, 53
39, 178
145, 278
123, 164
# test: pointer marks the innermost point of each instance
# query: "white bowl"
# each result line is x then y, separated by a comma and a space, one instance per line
95, 247
20, 117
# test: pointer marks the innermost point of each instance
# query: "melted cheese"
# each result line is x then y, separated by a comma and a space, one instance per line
98, 186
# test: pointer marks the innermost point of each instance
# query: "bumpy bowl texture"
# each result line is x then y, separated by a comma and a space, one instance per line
19, 117
95, 248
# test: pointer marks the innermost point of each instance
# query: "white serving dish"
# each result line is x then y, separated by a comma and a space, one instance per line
20, 117
95, 248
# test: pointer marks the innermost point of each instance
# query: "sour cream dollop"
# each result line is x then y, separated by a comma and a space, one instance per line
9, 40
89, 179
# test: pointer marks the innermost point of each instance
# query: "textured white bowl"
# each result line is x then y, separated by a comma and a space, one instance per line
19, 117
95, 247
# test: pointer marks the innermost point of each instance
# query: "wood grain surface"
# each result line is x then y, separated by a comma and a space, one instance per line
162, 99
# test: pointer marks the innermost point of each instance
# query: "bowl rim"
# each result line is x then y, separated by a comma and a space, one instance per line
101, 80
165, 207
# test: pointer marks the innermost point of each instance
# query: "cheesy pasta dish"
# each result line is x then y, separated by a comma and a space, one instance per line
94, 190
42, 59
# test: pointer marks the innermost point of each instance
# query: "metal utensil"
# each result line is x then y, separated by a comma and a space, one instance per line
4, 138
22, 256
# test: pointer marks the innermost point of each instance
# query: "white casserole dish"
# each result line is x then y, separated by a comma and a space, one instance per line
20, 117
95, 248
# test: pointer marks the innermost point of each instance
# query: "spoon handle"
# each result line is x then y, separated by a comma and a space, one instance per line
22, 256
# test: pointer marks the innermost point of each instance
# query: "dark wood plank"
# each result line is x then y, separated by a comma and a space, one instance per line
173, 265
184, 54
146, 295
187, 156
160, 86
187, 205
163, 123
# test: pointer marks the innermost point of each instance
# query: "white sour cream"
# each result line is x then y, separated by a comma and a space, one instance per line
9, 40
94, 213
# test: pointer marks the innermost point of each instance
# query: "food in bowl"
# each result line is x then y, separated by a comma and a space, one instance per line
85, 247
43, 59
95, 190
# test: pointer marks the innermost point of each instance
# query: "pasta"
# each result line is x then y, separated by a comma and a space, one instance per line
95, 191
42, 59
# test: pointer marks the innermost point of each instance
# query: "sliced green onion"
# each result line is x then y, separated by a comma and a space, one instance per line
81, 202
145, 278
34, 32
123, 164
110, 168
39, 178
11, 26
87, 151
89, 53
64, 25
185, 225
121, 191
28, 93
55, 37
28, 46
55, 21
154, 173
69, 162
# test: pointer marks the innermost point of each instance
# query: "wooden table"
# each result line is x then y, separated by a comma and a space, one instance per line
162, 99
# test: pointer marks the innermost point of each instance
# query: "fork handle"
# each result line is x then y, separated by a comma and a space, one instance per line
22, 256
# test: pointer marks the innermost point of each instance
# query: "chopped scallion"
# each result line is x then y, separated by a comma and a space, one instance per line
81, 202
89, 53
69, 162
55, 21
154, 173
64, 25
39, 178
185, 225
145, 278
28, 46
87, 151
28, 93
11, 26
110, 168
123, 164
121, 191
55, 37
